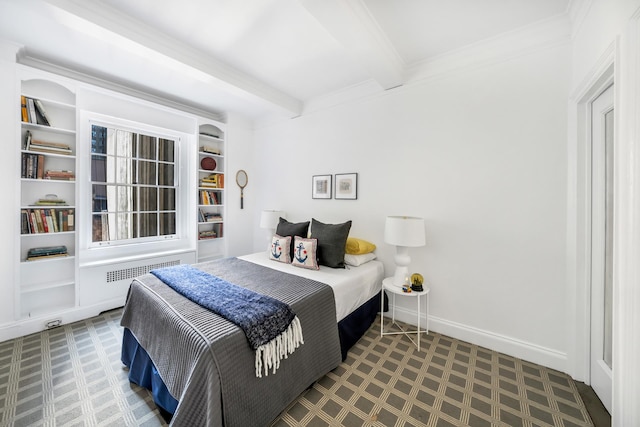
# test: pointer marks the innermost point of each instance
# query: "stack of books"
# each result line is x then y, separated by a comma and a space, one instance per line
207, 234
46, 252
50, 200
49, 147
208, 216
214, 180
209, 150
61, 175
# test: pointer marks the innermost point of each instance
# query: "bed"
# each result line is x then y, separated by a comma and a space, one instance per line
199, 365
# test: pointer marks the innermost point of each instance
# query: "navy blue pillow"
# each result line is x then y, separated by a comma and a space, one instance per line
286, 228
332, 240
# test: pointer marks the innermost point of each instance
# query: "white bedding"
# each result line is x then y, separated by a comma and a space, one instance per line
352, 286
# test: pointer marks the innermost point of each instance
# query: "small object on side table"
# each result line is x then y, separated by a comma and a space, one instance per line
416, 282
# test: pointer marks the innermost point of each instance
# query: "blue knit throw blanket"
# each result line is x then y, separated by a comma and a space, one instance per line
272, 328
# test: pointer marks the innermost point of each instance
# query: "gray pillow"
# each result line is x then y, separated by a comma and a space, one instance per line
332, 239
286, 228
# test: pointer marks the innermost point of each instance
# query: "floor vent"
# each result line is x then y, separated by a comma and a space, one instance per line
130, 273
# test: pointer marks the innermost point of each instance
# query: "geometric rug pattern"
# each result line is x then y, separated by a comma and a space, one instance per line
72, 376
386, 381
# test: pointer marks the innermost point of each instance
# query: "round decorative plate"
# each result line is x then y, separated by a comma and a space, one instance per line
208, 163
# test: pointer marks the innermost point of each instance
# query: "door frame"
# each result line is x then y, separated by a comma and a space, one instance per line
579, 213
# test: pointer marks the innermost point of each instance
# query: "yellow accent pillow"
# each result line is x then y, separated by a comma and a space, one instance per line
357, 246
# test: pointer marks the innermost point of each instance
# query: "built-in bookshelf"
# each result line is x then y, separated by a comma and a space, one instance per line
47, 156
211, 191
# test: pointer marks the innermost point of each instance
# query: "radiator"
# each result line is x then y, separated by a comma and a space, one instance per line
106, 282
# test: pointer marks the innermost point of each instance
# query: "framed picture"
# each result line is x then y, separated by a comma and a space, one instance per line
321, 187
346, 186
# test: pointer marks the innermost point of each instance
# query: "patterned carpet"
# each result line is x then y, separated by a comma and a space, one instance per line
72, 376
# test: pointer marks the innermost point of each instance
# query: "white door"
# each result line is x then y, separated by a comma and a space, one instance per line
602, 245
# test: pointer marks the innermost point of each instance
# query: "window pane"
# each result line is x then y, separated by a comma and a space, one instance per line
165, 174
124, 143
100, 228
125, 200
99, 198
167, 223
148, 199
167, 199
166, 150
98, 139
148, 224
124, 170
98, 168
124, 229
147, 147
146, 173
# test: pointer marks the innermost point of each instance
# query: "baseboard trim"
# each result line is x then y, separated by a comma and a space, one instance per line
23, 327
511, 346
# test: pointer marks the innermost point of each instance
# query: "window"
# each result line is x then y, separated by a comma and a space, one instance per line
133, 186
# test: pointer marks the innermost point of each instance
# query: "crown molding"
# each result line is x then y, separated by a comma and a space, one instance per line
541, 35
37, 60
578, 11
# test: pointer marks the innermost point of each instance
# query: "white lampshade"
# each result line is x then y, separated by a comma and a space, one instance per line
403, 232
269, 219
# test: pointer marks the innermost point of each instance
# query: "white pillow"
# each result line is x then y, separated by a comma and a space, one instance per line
279, 249
356, 260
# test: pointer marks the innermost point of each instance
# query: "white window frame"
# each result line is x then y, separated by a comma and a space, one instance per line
90, 251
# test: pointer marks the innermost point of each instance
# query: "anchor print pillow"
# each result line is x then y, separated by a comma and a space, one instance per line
279, 249
305, 253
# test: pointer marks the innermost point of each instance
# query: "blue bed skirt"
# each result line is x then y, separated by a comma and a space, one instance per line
143, 373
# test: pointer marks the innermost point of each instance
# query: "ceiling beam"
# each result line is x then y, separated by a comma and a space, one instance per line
208, 68
351, 24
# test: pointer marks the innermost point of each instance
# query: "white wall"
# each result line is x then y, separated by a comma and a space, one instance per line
481, 155
9, 120
240, 223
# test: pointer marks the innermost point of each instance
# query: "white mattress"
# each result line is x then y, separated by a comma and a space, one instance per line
352, 286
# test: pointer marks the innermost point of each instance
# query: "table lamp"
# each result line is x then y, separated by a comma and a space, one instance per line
403, 232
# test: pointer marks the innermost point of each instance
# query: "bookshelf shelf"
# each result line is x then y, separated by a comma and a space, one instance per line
46, 284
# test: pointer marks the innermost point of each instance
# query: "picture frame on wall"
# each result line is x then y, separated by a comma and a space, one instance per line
346, 186
321, 187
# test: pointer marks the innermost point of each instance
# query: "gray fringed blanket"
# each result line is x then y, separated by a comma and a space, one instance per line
206, 361
272, 328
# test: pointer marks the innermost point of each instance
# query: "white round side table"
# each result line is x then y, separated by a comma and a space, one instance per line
387, 285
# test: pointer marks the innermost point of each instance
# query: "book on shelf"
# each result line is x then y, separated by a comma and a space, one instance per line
42, 117
32, 111
31, 108
32, 166
208, 197
210, 134
61, 175
50, 147
23, 109
46, 220
46, 252
27, 140
207, 234
209, 150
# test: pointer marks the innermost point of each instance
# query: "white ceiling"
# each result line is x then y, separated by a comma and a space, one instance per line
258, 57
